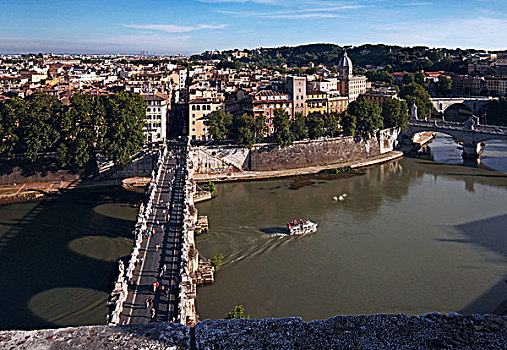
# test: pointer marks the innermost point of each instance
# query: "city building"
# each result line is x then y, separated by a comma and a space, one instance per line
350, 85
296, 87
198, 109
264, 103
157, 111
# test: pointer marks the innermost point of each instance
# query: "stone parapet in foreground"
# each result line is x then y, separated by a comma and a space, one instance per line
431, 331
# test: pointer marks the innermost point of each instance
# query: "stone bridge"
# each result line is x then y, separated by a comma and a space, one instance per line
473, 103
470, 134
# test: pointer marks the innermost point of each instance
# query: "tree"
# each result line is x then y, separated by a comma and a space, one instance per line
237, 313
212, 187
496, 112
10, 115
315, 124
247, 130
124, 119
408, 78
368, 117
298, 127
217, 261
395, 114
283, 135
443, 86
332, 123
415, 93
83, 125
219, 123
39, 124
348, 124
382, 76
420, 78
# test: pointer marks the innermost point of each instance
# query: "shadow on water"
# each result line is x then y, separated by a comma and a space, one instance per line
489, 234
39, 268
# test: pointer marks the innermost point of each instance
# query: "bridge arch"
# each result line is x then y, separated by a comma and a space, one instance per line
458, 112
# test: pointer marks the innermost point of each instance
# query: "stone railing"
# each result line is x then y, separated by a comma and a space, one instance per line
120, 291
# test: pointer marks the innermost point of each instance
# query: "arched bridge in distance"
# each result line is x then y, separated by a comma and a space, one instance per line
470, 134
473, 103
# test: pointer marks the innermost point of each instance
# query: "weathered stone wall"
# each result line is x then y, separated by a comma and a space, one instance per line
20, 170
431, 331
310, 153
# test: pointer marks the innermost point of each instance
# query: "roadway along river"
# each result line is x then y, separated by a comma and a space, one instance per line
413, 236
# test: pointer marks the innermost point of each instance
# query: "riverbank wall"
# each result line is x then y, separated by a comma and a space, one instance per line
431, 331
235, 162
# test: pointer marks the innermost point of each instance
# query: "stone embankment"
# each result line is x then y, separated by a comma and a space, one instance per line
431, 331
260, 175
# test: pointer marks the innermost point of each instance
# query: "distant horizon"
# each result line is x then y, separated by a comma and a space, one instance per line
246, 48
188, 27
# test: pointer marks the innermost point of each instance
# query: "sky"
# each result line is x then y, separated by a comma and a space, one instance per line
194, 26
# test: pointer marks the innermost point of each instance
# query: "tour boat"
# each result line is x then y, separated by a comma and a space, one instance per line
301, 226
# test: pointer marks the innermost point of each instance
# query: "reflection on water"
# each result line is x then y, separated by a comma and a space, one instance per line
395, 244
58, 258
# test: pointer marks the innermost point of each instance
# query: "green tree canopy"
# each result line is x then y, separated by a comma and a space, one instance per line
332, 123
237, 313
408, 78
348, 123
315, 124
40, 124
246, 130
443, 86
368, 117
11, 112
381, 76
283, 135
395, 114
124, 119
415, 93
298, 127
83, 125
220, 124
496, 112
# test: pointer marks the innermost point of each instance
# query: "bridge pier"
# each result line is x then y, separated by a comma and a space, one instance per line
472, 152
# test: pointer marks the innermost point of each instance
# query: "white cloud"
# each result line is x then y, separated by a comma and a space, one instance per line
171, 28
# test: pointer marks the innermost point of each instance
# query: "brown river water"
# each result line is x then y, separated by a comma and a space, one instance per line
412, 236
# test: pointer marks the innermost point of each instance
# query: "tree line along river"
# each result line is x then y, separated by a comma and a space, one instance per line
414, 235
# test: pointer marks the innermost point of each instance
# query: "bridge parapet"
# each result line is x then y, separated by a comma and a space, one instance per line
469, 134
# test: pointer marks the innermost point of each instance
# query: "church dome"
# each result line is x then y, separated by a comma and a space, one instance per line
345, 61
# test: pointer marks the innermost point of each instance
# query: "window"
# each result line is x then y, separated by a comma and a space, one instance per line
193, 107
193, 122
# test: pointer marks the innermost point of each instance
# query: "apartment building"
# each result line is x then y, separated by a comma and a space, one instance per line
265, 103
198, 109
158, 106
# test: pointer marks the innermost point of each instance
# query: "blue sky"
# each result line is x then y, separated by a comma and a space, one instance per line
193, 26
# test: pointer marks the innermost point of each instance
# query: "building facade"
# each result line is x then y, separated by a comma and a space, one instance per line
157, 110
198, 110
296, 87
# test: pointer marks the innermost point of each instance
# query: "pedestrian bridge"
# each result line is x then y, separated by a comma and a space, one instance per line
157, 283
470, 134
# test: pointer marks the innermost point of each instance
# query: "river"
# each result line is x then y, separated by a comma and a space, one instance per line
58, 258
415, 235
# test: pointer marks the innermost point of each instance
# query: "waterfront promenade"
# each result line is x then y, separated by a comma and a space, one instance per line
161, 247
